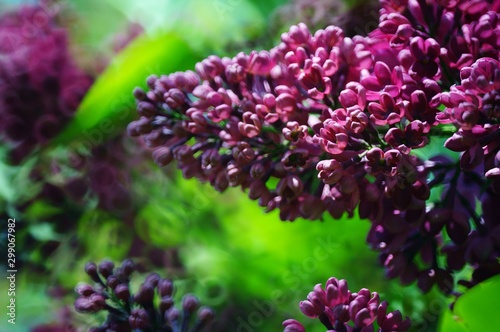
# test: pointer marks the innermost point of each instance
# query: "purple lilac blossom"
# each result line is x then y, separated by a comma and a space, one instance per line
40, 85
340, 310
139, 311
327, 123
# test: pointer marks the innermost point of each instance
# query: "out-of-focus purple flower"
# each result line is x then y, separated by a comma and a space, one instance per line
40, 86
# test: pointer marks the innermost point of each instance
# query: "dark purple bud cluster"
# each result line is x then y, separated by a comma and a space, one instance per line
340, 310
441, 60
151, 308
40, 86
324, 122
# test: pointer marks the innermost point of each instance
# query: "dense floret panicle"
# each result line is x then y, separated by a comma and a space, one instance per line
151, 308
342, 311
447, 58
251, 121
328, 123
40, 85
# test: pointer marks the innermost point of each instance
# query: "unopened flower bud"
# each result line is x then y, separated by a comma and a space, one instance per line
90, 304
152, 279
145, 294
106, 268
172, 316
206, 315
165, 287
166, 303
122, 292
139, 93
91, 270
84, 289
112, 281
190, 303
138, 319
162, 156
128, 267
291, 325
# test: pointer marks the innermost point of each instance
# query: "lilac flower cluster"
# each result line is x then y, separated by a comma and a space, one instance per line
447, 56
324, 122
139, 311
40, 86
250, 121
340, 310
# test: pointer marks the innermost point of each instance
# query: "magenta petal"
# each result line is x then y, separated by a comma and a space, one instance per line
432, 48
393, 118
472, 157
363, 318
416, 12
348, 98
392, 320
417, 45
308, 309
394, 137
375, 108
382, 72
371, 83
456, 143
291, 325
392, 90
493, 172
465, 60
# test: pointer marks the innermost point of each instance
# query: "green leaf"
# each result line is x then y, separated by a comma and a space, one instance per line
160, 226
93, 25
43, 232
104, 236
109, 104
478, 307
16, 185
206, 24
448, 322
41, 210
267, 7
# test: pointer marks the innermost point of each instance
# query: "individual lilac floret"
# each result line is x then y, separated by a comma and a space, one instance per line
340, 310
140, 311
